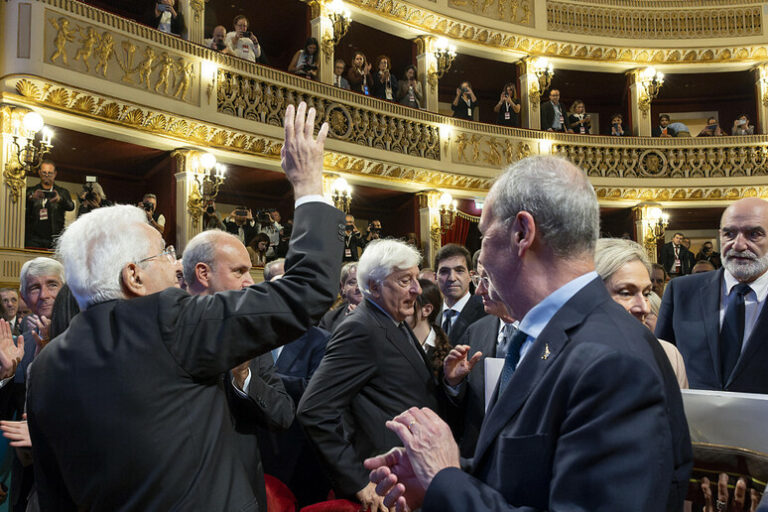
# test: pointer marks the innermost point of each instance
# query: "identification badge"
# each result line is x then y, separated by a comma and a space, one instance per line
365, 90
582, 129
507, 116
389, 94
43, 213
469, 112
562, 120
347, 252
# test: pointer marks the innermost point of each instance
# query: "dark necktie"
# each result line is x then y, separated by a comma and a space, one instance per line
512, 358
732, 333
508, 331
447, 322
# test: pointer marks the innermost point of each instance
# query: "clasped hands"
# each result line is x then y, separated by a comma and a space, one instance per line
403, 474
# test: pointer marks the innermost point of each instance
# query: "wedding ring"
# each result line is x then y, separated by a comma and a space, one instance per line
721, 506
411, 424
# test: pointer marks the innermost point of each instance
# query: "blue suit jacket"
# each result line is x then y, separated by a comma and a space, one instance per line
592, 420
690, 318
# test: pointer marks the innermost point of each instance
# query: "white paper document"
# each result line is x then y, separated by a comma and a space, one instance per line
493, 366
729, 419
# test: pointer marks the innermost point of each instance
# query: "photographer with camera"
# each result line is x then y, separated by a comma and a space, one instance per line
46, 207
211, 219
617, 128
712, 129
216, 42
374, 231
241, 224
304, 62
741, 126
508, 108
92, 196
578, 120
353, 240
465, 102
155, 219
385, 83
242, 42
165, 18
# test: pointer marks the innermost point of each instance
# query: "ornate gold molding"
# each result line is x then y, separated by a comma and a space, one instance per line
86, 48
435, 23
198, 7
654, 23
516, 12
671, 194
488, 150
264, 101
129, 115
195, 202
14, 174
668, 162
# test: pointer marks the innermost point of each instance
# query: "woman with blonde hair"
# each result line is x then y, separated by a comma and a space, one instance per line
626, 272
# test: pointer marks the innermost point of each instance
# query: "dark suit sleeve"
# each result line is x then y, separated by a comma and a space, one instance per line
665, 329
209, 335
296, 385
267, 404
599, 461
347, 366
51, 490
66, 199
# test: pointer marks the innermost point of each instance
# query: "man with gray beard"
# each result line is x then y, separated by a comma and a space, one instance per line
718, 319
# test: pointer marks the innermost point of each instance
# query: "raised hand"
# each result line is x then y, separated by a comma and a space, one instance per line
457, 366
302, 155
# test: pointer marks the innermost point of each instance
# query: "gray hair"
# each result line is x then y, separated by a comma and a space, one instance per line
270, 269
559, 197
97, 246
613, 253
39, 267
347, 269
381, 258
202, 249
655, 302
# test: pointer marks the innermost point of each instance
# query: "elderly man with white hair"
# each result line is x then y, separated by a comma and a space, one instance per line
373, 368
126, 408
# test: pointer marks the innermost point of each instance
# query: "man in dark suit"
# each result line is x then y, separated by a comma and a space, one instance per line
373, 367
460, 308
47, 204
488, 337
586, 402
287, 455
718, 320
215, 261
9, 304
126, 408
350, 292
676, 258
553, 113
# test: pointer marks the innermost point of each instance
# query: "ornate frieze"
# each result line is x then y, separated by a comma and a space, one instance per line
90, 49
669, 194
667, 162
488, 150
655, 22
517, 12
264, 101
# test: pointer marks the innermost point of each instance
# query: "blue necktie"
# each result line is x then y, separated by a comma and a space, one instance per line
447, 323
732, 333
512, 358
507, 333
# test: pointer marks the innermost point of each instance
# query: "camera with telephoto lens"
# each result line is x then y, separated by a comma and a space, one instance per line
90, 195
49, 194
247, 34
148, 206
210, 209
263, 218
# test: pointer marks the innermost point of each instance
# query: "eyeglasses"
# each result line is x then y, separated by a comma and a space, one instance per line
477, 280
169, 252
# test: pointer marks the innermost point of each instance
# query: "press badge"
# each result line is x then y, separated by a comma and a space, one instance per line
347, 252
43, 213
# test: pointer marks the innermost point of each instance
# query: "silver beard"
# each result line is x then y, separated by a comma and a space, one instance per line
749, 271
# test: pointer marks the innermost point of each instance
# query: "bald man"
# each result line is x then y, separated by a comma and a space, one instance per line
718, 319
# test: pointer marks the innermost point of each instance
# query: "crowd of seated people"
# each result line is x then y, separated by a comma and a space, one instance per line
324, 367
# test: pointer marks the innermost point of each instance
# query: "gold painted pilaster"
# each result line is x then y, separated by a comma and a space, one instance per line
429, 224
322, 30
13, 200
641, 114
644, 235
189, 201
530, 95
761, 95
194, 18
426, 64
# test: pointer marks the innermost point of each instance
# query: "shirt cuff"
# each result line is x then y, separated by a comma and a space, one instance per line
452, 391
312, 198
6, 381
242, 392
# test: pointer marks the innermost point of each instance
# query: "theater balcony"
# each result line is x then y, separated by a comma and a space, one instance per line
138, 108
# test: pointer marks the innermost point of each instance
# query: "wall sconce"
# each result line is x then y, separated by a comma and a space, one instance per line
340, 19
656, 222
29, 153
447, 206
544, 72
444, 54
209, 71
208, 177
341, 194
650, 83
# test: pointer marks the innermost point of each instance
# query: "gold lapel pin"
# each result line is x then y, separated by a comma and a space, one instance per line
546, 351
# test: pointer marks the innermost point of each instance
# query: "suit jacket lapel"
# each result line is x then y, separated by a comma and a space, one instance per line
395, 336
754, 343
710, 312
533, 366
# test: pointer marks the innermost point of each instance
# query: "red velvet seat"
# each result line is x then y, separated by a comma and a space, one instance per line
279, 496
333, 506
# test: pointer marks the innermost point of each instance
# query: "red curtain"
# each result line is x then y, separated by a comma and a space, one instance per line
457, 234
